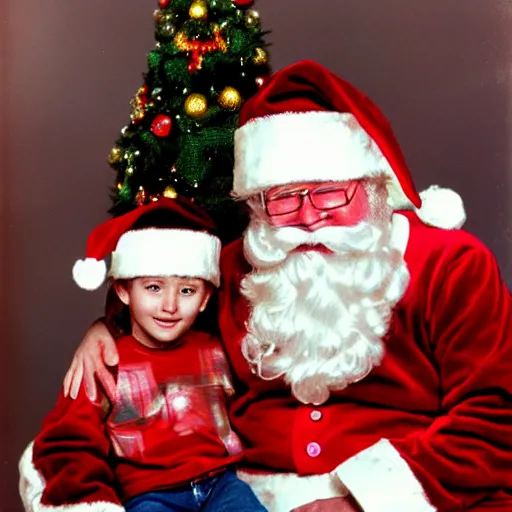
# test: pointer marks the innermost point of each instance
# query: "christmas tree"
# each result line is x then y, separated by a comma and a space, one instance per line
208, 59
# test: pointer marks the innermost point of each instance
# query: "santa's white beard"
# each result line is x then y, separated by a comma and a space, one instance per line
318, 319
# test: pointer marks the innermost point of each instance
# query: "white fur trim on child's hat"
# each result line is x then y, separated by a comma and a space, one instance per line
90, 273
442, 208
191, 251
167, 252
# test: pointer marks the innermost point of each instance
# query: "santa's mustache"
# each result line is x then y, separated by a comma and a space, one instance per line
267, 246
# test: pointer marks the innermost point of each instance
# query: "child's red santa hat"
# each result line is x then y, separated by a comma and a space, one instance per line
307, 124
156, 251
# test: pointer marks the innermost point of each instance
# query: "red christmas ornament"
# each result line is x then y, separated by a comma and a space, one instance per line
163, 3
161, 125
243, 3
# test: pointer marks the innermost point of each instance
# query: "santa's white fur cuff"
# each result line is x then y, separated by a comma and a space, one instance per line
381, 481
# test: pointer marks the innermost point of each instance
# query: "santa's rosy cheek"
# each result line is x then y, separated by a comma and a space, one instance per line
353, 213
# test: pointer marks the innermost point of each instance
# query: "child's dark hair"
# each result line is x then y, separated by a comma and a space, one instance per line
117, 315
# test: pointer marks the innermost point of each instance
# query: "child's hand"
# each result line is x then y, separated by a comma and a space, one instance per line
96, 351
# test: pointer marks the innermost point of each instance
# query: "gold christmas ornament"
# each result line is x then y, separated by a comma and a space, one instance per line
230, 99
260, 57
198, 10
166, 30
165, 24
196, 105
114, 156
252, 18
170, 192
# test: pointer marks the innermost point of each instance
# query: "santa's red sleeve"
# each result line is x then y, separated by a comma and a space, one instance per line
66, 467
465, 457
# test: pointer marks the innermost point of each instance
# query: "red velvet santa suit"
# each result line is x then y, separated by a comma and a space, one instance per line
167, 427
437, 412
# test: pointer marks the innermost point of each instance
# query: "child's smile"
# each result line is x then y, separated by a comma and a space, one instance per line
162, 309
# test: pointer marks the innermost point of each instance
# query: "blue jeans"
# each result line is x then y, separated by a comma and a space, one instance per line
222, 493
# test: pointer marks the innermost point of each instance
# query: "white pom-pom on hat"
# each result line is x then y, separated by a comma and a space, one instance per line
441, 208
90, 273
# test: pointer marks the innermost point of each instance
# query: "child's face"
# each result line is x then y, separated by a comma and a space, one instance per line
163, 309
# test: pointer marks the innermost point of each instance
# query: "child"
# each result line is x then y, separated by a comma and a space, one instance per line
164, 442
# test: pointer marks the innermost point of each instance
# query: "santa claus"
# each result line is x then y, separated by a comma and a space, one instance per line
370, 337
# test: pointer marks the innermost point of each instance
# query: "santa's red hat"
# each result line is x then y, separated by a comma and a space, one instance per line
152, 251
307, 124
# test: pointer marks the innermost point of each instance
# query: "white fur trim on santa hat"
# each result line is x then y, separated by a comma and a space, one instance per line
167, 252
282, 492
312, 146
90, 273
31, 487
381, 481
442, 208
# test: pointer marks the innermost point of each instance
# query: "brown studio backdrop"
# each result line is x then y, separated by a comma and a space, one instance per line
439, 69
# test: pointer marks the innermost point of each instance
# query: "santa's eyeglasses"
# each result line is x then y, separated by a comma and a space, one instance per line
322, 197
